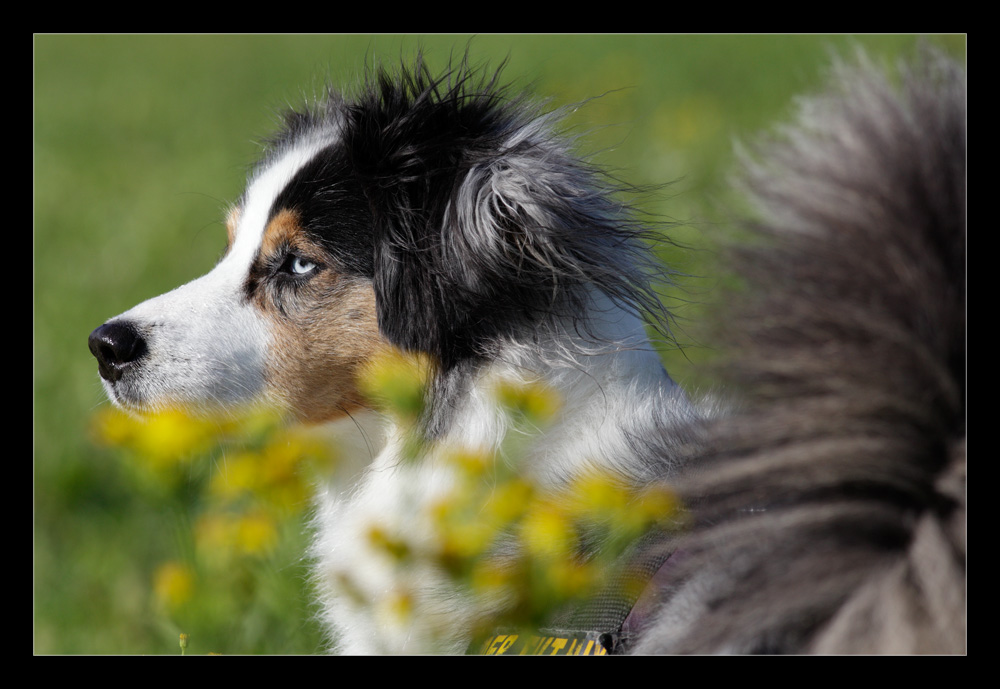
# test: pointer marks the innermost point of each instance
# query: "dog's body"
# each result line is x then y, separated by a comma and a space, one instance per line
434, 216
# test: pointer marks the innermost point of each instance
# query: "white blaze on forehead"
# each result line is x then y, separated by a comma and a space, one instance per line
262, 191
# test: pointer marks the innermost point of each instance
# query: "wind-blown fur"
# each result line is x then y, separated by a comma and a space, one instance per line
503, 257
439, 216
832, 509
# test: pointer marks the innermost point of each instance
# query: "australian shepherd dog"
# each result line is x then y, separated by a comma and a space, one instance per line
444, 216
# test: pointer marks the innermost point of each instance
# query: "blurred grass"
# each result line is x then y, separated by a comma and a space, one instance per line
139, 141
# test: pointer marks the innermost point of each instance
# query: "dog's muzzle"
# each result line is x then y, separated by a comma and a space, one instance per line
117, 346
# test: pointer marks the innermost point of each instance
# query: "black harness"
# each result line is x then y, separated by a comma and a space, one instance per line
608, 624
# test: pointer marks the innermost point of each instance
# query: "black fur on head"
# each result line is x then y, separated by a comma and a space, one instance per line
479, 225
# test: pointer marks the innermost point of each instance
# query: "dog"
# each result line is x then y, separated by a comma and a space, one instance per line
440, 215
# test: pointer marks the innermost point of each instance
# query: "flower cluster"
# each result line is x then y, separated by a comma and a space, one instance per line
235, 488
497, 534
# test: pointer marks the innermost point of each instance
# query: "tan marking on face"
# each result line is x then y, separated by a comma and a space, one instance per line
320, 348
283, 229
323, 335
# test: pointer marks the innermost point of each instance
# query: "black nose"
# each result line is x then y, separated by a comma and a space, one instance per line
116, 346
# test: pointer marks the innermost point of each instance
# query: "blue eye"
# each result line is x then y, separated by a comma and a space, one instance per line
301, 266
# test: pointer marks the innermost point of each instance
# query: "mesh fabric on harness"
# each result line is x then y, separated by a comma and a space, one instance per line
609, 622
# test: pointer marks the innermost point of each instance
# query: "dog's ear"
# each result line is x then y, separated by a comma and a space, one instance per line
487, 245
484, 224
447, 255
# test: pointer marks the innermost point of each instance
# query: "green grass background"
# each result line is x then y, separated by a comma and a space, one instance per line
139, 142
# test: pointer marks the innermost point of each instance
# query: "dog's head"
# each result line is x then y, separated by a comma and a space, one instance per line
433, 215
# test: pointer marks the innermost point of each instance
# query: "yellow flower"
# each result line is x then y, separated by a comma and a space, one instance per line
163, 439
491, 579
220, 537
236, 476
536, 402
392, 545
474, 464
462, 540
509, 501
173, 584
547, 531
657, 504
399, 605
256, 534
599, 496
397, 380
281, 477
113, 427
571, 578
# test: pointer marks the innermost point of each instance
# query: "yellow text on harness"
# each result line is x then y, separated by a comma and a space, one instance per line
569, 644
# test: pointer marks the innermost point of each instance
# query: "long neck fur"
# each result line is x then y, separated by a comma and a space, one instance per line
613, 389
610, 384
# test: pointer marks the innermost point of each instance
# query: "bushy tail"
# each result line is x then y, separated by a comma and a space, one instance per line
832, 508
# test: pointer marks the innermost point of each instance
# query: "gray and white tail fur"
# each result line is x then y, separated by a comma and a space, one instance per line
831, 509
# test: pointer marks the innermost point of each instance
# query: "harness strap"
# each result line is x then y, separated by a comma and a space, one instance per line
610, 622
547, 642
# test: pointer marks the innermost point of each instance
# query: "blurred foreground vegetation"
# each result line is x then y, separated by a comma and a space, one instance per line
139, 141
245, 478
